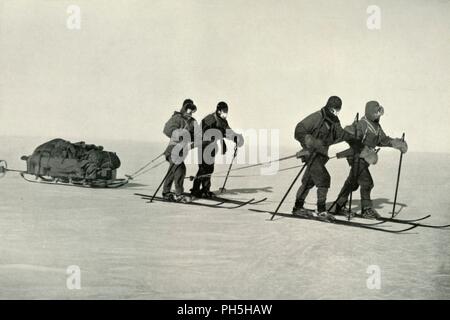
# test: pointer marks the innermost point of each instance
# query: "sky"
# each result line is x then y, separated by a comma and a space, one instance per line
132, 63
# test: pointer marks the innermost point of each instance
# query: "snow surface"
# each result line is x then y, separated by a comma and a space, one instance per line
128, 249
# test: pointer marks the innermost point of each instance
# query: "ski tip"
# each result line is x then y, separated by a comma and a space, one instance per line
413, 220
407, 229
259, 201
259, 210
241, 205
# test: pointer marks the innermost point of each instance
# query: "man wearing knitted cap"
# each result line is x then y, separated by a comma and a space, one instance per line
369, 134
215, 128
316, 133
183, 131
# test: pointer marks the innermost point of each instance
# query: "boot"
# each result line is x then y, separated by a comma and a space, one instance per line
302, 212
323, 214
348, 213
342, 210
326, 216
208, 194
168, 196
195, 193
321, 207
182, 198
298, 210
370, 213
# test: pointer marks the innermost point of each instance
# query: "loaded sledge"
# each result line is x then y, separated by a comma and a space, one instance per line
78, 164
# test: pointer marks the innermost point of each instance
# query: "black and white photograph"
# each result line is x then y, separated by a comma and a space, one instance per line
224, 150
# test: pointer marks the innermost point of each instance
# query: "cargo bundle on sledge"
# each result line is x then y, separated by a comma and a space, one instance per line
61, 162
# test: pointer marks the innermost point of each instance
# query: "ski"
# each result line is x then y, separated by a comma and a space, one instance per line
192, 203
216, 205
239, 204
412, 222
339, 222
405, 220
91, 184
251, 201
228, 200
376, 223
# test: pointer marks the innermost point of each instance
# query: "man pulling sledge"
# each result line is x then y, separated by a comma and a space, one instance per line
214, 128
316, 133
183, 131
369, 135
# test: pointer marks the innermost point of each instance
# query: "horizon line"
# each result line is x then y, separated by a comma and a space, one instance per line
76, 139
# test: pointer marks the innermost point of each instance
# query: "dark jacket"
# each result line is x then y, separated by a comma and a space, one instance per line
213, 121
177, 124
321, 125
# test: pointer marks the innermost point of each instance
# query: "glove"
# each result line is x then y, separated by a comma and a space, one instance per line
399, 144
303, 154
370, 155
345, 154
239, 140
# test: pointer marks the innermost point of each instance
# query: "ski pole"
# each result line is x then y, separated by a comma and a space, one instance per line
292, 184
345, 190
356, 158
172, 165
398, 179
357, 174
229, 168
307, 164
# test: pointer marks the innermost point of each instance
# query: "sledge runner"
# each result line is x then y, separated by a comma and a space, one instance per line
214, 128
182, 129
369, 135
316, 133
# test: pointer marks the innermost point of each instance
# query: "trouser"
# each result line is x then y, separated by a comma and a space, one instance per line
361, 178
317, 175
202, 182
175, 175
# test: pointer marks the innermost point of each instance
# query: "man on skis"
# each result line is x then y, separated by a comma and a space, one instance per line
183, 131
316, 133
214, 129
369, 135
